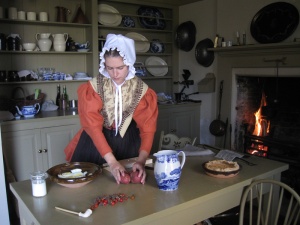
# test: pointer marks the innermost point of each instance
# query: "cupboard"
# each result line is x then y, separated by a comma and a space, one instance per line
36, 144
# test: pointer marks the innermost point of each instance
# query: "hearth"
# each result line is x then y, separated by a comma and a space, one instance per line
267, 118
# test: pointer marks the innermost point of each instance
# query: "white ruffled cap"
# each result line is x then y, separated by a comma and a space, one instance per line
126, 48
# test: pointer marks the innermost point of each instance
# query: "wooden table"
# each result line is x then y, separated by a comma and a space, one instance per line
198, 197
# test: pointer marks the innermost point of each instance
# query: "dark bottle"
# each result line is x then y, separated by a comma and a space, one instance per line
64, 99
58, 96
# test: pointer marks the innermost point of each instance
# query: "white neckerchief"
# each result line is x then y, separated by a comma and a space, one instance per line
118, 105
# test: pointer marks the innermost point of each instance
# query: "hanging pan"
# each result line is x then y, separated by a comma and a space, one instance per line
203, 56
218, 127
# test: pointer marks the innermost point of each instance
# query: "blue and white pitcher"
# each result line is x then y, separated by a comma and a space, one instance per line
167, 169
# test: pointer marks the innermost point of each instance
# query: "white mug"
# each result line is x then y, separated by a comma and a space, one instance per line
43, 16
12, 13
21, 15
1, 12
31, 16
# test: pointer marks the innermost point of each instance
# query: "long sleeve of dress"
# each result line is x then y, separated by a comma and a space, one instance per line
89, 106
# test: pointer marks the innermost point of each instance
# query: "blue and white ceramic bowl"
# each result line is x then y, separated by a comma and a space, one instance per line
156, 46
127, 21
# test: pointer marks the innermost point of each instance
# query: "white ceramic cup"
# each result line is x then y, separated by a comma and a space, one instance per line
1, 13
31, 16
12, 13
21, 15
43, 16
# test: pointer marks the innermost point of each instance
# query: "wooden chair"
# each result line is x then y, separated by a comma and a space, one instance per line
269, 202
172, 141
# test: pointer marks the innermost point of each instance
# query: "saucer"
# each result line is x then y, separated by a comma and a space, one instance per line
29, 116
83, 50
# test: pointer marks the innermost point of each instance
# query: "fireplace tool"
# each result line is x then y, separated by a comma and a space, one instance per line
270, 110
218, 127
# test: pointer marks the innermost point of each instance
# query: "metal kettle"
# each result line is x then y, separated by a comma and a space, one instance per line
61, 14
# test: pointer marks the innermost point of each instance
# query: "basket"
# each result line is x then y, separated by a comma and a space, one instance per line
29, 100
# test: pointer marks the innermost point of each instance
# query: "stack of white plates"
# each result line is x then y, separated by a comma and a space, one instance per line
141, 43
156, 66
108, 15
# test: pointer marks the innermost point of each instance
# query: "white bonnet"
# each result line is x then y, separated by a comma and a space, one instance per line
126, 48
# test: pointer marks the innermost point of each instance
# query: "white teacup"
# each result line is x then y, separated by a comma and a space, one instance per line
31, 16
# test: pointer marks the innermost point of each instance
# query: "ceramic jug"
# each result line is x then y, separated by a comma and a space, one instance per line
59, 42
44, 41
13, 42
29, 110
61, 15
167, 169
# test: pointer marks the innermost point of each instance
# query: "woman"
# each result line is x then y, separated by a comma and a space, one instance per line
117, 111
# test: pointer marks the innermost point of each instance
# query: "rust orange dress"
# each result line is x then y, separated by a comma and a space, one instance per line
90, 104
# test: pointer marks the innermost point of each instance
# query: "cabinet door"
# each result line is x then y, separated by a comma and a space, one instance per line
163, 124
54, 141
184, 123
182, 120
21, 151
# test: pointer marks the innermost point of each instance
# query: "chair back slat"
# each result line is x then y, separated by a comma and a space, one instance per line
270, 202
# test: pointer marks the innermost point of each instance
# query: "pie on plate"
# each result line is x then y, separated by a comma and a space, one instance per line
221, 168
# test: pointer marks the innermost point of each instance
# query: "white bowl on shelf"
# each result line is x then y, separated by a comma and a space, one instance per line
29, 46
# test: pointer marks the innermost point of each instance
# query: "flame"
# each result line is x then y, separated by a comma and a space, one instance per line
262, 126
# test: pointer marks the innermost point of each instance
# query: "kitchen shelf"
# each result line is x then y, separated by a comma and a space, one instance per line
48, 23
41, 82
149, 77
134, 29
253, 49
46, 53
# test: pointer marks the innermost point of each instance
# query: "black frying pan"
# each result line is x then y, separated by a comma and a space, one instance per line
218, 127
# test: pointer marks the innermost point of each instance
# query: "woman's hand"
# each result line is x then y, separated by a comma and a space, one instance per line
141, 169
139, 165
117, 171
116, 168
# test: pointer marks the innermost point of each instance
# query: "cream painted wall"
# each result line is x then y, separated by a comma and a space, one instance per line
203, 15
224, 18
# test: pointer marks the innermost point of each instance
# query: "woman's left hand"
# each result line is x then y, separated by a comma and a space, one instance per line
142, 172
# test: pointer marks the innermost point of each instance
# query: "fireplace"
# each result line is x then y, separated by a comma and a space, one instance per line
266, 115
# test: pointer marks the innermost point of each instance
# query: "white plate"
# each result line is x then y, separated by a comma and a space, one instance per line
108, 15
160, 70
141, 42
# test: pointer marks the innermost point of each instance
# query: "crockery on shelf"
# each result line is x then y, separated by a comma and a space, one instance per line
141, 42
156, 66
127, 21
151, 18
156, 46
108, 15
29, 46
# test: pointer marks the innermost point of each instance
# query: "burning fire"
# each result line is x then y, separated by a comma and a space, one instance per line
262, 128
